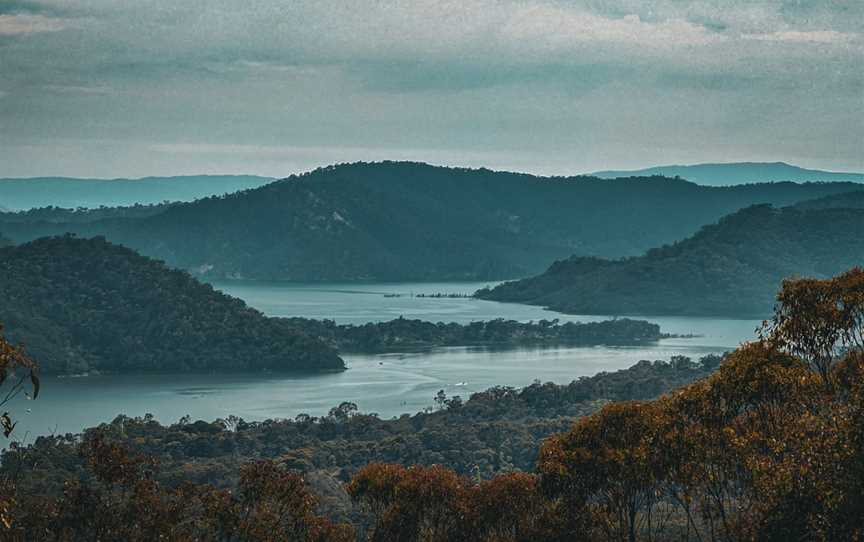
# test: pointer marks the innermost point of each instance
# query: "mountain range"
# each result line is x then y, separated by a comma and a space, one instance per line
730, 268
27, 193
737, 173
414, 221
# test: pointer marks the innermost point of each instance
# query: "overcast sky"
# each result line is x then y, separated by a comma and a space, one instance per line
110, 88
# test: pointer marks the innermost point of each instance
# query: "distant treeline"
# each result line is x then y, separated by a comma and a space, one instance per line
403, 333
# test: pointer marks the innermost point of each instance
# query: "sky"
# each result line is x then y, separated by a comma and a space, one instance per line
110, 88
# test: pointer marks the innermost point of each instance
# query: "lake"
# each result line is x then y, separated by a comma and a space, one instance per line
389, 384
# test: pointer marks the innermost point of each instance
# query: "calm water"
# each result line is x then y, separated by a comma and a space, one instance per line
388, 384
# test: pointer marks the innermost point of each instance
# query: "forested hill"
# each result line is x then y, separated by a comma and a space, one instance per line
739, 173
729, 268
27, 193
847, 200
83, 305
411, 221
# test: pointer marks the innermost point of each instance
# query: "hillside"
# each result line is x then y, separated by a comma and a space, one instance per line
410, 221
27, 193
846, 200
88, 305
729, 268
738, 173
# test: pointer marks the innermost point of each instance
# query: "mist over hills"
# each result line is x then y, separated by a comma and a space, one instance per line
737, 173
731, 268
82, 305
413, 221
27, 193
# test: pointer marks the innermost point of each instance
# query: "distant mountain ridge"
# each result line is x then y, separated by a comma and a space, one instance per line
737, 173
414, 221
730, 268
70, 192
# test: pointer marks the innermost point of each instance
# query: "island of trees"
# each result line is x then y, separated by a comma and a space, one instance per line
402, 333
769, 446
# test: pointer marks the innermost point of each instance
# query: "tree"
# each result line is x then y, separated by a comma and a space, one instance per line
16, 371
123, 501
608, 466
818, 320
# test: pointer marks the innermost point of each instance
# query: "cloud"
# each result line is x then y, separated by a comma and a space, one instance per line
80, 90
566, 81
12, 25
553, 27
811, 36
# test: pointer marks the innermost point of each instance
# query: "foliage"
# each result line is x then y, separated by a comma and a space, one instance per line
434, 503
760, 450
818, 320
411, 221
17, 372
89, 305
731, 267
403, 333
123, 501
493, 431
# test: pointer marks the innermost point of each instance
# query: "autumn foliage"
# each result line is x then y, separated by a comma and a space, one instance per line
123, 502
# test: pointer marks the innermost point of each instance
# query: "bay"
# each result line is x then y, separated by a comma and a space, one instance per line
389, 384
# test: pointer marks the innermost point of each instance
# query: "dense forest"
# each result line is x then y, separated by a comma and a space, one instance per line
412, 221
89, 305
29, 193
728, 268
766, 444
402, 333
